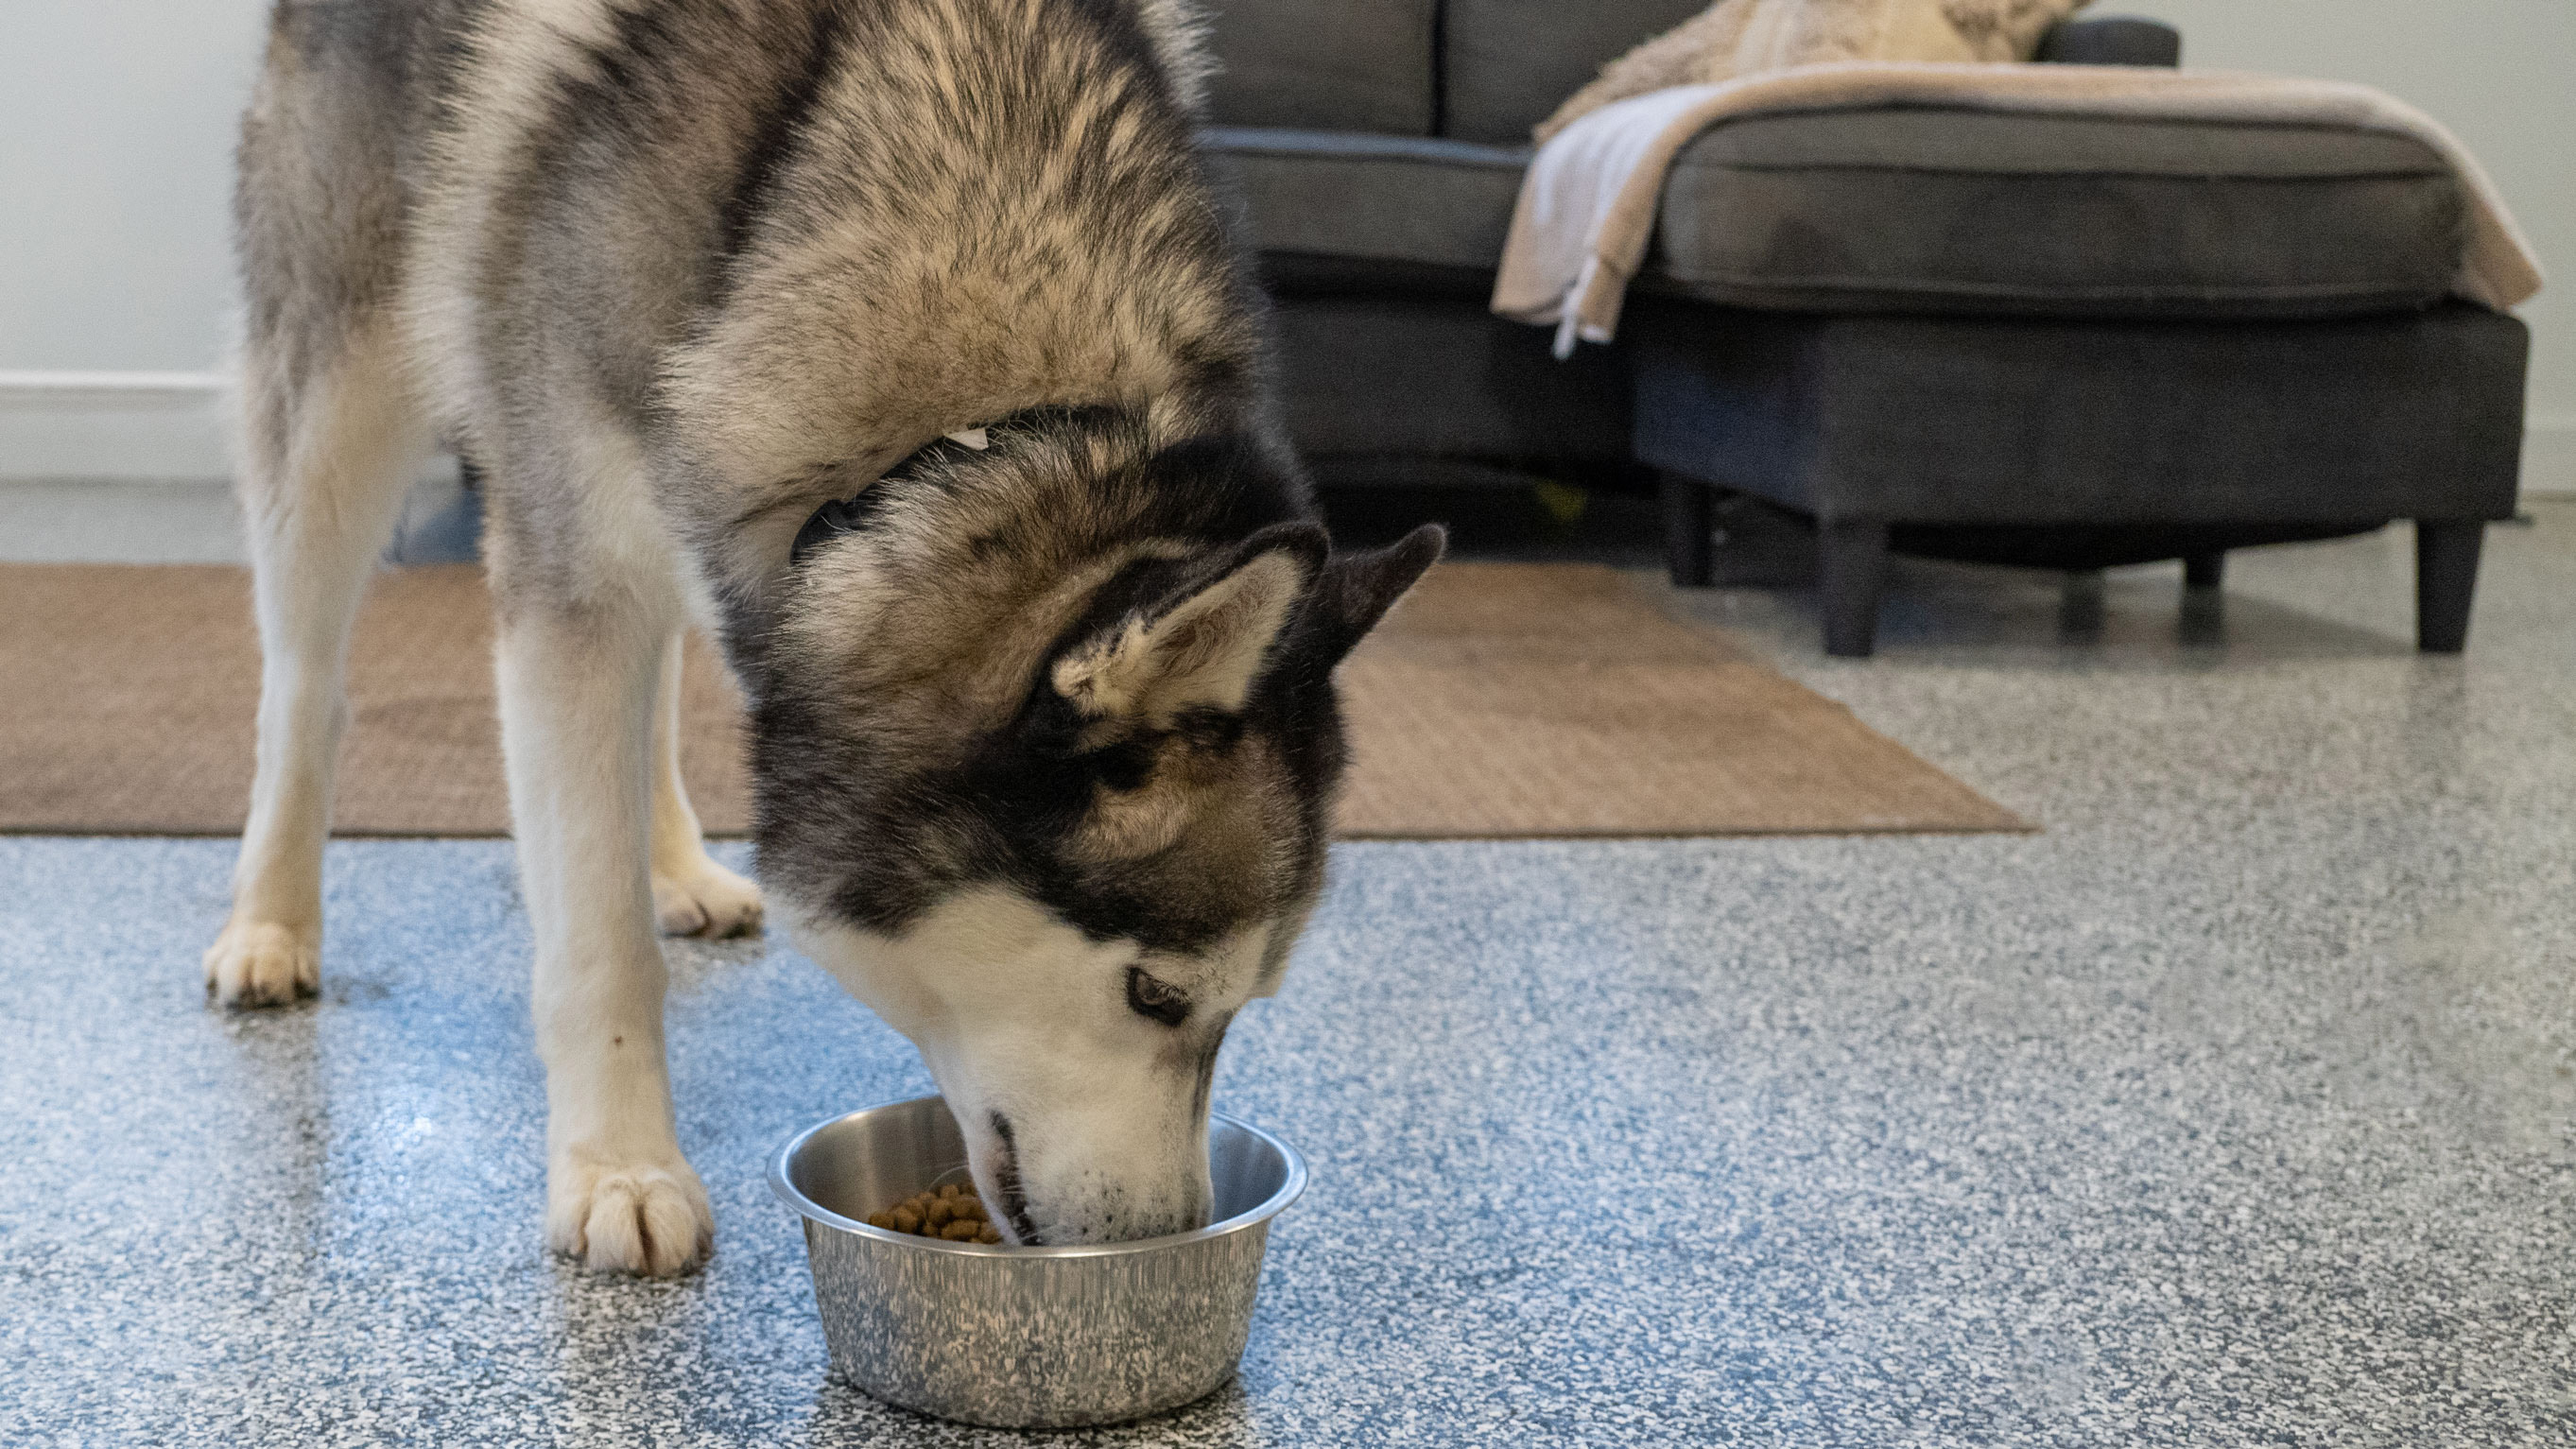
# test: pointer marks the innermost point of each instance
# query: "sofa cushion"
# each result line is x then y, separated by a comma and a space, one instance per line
1327, 65
1372, 198
1508, 64
1925, 209
2112, 40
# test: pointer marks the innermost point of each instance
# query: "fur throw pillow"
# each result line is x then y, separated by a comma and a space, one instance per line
1739, 37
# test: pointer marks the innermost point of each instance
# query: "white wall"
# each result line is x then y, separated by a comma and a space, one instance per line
116, 136
116, 131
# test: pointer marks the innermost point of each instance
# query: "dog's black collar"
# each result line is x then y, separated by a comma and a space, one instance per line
848, 515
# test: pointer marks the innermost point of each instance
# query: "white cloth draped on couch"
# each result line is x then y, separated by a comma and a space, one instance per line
1586, 214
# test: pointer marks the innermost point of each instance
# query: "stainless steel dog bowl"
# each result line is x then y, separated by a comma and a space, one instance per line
1024, 1338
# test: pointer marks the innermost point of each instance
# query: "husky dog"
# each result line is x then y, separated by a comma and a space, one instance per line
903, 343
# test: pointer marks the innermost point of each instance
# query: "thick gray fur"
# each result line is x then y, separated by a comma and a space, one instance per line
677, 274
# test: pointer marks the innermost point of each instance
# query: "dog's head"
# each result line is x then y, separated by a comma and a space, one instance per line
1046, 746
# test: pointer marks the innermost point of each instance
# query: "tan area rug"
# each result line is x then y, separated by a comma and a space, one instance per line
1500, 700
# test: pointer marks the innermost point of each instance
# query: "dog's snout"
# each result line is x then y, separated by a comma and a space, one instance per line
1057, 1189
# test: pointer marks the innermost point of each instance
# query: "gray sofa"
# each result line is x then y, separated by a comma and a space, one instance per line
2041, 340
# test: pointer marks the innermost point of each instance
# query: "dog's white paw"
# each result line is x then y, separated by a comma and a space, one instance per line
262, 963
648, 1217
702, 898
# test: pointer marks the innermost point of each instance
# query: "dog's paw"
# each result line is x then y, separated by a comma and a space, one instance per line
703, 898
262, 963
647, 1217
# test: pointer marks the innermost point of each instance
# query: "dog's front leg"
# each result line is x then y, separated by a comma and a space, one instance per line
578, 690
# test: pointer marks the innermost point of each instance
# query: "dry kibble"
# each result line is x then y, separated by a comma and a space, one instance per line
951, 1214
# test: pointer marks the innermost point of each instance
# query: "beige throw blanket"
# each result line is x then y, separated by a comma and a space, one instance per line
1588, 203
1741, 37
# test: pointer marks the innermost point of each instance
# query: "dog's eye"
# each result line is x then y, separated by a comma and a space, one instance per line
1160, 1000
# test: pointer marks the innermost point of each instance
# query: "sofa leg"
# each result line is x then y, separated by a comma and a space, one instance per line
2204, 570
1690, 523
2446, 581
1852, 568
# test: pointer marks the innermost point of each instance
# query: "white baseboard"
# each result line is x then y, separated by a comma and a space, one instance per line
125, 425
2549, 457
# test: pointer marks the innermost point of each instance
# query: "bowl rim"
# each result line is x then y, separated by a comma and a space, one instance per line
1293, 1187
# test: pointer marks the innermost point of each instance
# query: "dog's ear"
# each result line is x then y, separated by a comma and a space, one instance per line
1204, 644
1357, 589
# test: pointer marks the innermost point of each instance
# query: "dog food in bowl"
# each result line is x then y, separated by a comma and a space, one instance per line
953, 1214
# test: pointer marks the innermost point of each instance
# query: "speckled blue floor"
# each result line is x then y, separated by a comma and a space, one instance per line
2238, 1108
